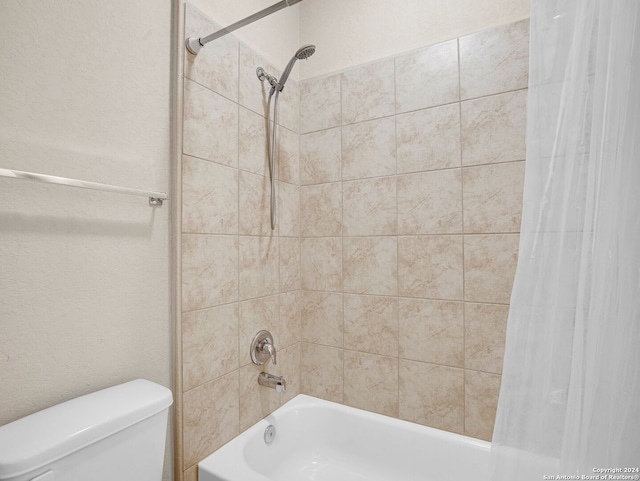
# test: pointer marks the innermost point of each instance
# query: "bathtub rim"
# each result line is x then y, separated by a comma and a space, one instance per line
225, 463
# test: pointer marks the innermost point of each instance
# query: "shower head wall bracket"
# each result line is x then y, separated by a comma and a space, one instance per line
262, 76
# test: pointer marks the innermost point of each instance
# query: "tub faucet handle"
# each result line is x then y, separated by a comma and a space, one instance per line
262, 348
267, 346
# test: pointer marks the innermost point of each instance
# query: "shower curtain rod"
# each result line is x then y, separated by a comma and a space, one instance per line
194, 44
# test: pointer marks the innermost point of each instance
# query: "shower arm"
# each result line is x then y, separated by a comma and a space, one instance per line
194, 44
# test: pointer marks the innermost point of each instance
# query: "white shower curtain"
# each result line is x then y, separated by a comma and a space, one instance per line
570, 397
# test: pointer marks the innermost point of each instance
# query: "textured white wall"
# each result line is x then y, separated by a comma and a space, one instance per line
84, 275
352, 32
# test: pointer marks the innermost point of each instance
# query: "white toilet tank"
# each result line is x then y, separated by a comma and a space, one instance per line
115, 434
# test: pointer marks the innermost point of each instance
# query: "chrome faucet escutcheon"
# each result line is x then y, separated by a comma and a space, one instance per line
262, 348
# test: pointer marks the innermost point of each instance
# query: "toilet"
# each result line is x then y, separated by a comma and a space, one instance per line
118, 433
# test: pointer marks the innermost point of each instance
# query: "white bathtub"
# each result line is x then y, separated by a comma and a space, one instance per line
319, 440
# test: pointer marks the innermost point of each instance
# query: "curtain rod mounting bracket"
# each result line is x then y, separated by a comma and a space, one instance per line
193, 45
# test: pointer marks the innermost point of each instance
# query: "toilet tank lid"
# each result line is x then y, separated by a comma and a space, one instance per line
43, 437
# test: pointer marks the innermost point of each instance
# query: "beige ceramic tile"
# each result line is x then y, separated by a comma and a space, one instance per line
290, 279
489, 267
254, 204
430, 203
210, 120
427, 77
429, 139
209, 197
368, 92
252, 93
321, 207
209, 344
321, 157
288, 214
259, 266
215, 67
493, 128
321, 263
371, 265
432, 331
371, 382
255, 401
430, 266
481, 401
209, 271
262, 313
289, 106
290, 370
252, 142
432, 395
322, 372
320, 103
210, 417
371, 324
370, 207
290, 328
369, 149
485, 327
322, 318
493, 197
288, 157
495, 60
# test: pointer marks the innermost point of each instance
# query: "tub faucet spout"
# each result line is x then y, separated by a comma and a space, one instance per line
274, 382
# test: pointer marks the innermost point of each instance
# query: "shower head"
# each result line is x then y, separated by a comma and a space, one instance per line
303, 53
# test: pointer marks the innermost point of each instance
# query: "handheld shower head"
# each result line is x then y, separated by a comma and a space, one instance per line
303, 53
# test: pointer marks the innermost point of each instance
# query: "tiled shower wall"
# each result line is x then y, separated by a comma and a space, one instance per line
237, 275
386, 283
411, 172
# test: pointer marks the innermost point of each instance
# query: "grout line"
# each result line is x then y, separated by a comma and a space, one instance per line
464, 322
494, 94
197, 82
238, 301
342, 231
428, 107
397, 319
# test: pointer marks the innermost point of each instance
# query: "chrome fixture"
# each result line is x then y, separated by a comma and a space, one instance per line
262, 75
274, 382
155, 198
302, 53
277, 85
262, 348
269, 434
194, 44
